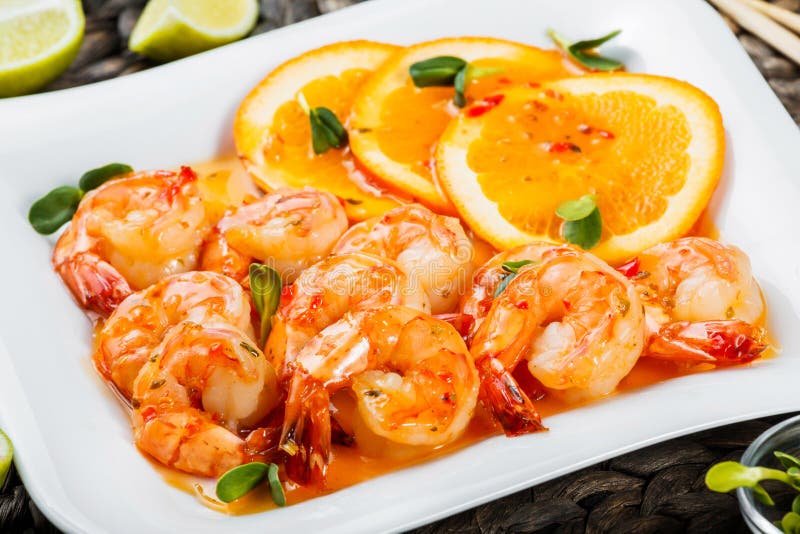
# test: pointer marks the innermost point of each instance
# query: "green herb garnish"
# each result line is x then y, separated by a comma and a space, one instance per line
241, 480
447, 71
275, 486
512, 268
583, 52
97, 177
438, 71
57, 207
583, 226
326, 130
727, 476
265, 286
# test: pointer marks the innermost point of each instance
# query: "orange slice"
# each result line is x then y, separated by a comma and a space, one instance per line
396, 125
650, 148
273, 133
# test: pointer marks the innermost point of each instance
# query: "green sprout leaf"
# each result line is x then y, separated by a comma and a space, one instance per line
575, 210
796, 505
726, 476
790, 524
446, 71
514, 266
459, 98
583, 226
241, 480
583, 52
438, 71
326, 130
265, 286
96, 177
57, 207
275, 486
787, 460
54, 209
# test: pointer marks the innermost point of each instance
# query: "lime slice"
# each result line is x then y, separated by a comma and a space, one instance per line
6, 454
38, 41
172, 29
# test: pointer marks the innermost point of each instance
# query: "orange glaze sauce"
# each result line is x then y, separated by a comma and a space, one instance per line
352, 465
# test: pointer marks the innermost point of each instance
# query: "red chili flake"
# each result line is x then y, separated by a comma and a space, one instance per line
485, 105
540, 106
631, 268
585, 129
566, 304
552, 94
522, 305
448, 397
605, 134
534, 85
503, 80
187, 175
341, 201
563, 146
149, 413
427, 164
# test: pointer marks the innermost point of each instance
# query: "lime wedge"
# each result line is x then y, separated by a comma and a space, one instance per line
6, 454
172, 29
38, 41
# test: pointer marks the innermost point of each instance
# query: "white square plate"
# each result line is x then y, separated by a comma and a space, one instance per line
74, 445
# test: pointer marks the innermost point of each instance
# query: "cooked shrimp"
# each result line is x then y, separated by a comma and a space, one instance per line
129, 233
288, 230
431, 248
412, 377
577, 322
325, 291
201, 386
478, 299
137, 326
701, 301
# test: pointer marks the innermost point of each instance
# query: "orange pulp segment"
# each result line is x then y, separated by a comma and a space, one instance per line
650, 148
396, 125
273, 133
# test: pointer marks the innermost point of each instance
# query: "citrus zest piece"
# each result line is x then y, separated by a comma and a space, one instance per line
272, 130
38, 41
172, 29
649, 148
395, 125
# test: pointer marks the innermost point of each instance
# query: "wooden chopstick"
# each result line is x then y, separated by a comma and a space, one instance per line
761, 25
790, 19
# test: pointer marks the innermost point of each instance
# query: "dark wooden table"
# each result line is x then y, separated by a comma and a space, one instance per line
657, 489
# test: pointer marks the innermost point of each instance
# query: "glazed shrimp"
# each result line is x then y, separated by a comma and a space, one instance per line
478, 299
201, 386
411, 374
288, 230
701, 302
431, 248
325, 291
137, 326
129, 233
576, 321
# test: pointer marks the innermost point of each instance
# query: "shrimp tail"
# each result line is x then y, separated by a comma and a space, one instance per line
718, 342
306, 435
510, 405
96, 285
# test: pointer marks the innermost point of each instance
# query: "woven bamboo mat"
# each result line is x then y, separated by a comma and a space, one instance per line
657, 489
